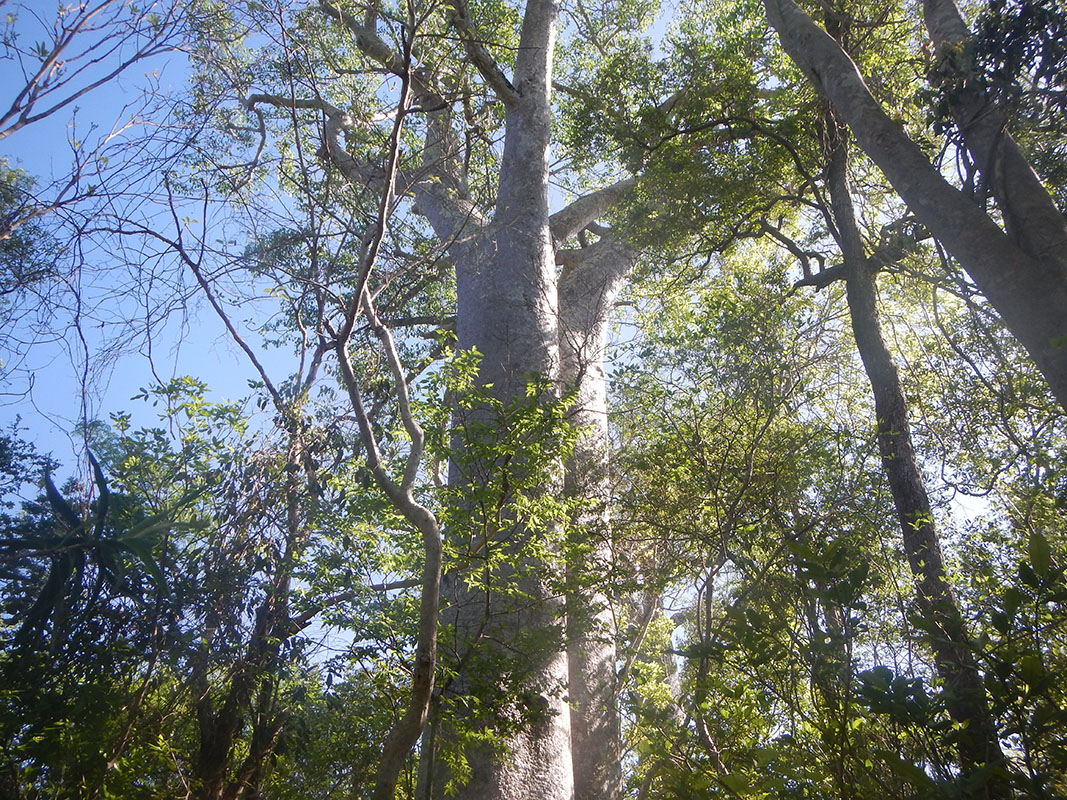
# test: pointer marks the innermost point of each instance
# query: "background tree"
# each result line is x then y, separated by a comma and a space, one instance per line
1030, 294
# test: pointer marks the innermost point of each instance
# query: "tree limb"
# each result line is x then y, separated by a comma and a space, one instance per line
479, 55
367, 40
1029, 295
568, 221
823, 278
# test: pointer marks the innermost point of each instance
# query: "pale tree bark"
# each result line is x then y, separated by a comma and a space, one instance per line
509, 629
1026, 286
589, 284
507, 310
966, 700
1029, 213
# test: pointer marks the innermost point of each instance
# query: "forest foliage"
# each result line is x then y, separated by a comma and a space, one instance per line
252, 598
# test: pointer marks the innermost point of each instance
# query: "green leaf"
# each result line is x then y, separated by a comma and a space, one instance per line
143, 550
1033, 671
1012, 598
1001, 622
907, 770
60, 576
1028, 576
60, 506
735, 782
105, 497
1040, 554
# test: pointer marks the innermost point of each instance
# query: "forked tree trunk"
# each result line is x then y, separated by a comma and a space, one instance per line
507, 311
510, 628
1029, 213
1027, 287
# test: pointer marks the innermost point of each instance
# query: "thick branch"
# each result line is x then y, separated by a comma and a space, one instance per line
533, 63
479, 55
367, 40
449, 213
567, 222
1030, 214
442, 194
824, 277
337, 121
803, 256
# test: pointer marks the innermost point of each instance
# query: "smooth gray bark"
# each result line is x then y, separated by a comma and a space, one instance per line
1030, 215
1030, 294
588, 286
507, 311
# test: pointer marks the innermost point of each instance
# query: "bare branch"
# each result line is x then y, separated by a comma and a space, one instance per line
823, 278
194, 264
802, 255
63, 65
441, 323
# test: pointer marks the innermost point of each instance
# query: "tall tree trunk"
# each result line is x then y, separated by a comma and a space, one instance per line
507, 631
590, 282
953, 656
1028, 291
507, 311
